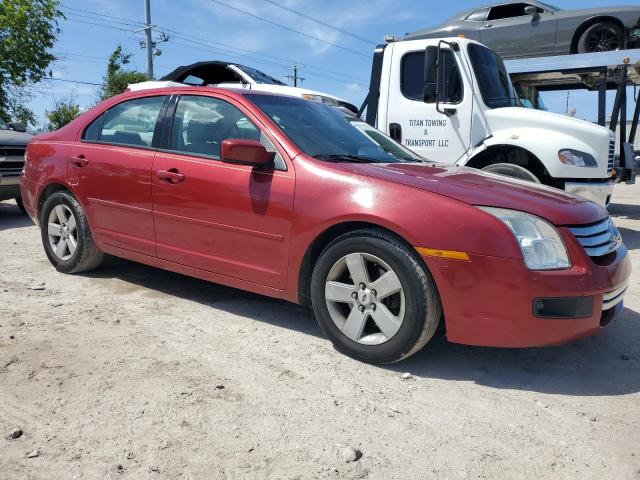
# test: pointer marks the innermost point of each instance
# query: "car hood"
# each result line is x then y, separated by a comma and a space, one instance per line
10, 137
479, 188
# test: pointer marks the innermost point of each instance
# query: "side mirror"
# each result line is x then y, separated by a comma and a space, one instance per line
430, 90
18, 127
245, 152
531, 10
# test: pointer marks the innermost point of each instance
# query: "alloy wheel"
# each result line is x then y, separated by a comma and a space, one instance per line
604, 39
365, 298
62, 232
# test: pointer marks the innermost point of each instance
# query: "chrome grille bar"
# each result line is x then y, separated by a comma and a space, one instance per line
598, 239
614, 297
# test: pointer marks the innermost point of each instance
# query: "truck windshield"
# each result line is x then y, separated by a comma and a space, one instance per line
493, 80
327, 133
259, 76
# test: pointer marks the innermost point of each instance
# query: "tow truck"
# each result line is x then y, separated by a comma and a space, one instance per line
452, 100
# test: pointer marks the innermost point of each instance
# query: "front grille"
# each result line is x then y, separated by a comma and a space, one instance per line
598, 239
11, 159
612, 156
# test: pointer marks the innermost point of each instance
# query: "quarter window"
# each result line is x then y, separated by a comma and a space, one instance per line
92, 132
132, 122
412, 77
201, 124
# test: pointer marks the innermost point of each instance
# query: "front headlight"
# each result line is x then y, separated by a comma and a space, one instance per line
540, 242
575, 158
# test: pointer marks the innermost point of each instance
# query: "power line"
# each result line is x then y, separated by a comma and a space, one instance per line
244, 12
74, 81
321, 22
103, 15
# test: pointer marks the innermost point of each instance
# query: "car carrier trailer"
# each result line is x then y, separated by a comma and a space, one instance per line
601, 72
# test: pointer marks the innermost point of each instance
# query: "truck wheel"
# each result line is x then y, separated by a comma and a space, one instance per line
510, 170
374, 298
601, 37
20, 205
66, 236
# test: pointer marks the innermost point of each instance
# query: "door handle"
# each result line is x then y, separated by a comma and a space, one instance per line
172, 175
488, 25
79, 161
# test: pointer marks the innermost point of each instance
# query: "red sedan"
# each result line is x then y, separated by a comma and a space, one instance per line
294, 199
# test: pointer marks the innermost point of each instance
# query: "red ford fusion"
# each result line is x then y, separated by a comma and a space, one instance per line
297, 200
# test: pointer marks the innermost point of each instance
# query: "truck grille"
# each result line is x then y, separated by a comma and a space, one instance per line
11, 159
598, 239
612, 156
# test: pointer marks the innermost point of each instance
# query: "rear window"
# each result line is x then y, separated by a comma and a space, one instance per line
129, 123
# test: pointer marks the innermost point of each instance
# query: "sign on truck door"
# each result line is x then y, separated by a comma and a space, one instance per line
422, 128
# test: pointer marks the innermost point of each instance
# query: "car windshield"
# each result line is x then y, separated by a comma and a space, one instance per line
327, 133
493, 79
550, 7
259, 76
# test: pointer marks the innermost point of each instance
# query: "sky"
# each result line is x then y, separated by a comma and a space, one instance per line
331, 61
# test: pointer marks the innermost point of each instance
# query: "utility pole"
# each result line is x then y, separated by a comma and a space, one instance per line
148, 29
295, 76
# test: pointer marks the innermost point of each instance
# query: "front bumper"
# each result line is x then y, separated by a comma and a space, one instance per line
598, 192
489, 301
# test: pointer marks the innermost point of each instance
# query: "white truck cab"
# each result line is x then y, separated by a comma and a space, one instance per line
451, 100
233, 75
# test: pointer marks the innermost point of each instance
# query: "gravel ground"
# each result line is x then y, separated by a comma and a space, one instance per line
131, 372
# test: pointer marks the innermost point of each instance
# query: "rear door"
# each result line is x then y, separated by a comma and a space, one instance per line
111, 170
418, 125
232, 220
511, 32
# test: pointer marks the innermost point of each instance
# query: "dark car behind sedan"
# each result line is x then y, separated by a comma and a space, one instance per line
524, 29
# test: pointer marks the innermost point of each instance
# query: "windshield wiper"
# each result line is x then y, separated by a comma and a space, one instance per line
337, 157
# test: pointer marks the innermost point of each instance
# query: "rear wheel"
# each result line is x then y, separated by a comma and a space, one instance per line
601, 37
374, 298
510, 170
66, 236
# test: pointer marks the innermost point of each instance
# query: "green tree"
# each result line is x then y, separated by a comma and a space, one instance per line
28, 29
64, 111
117, 78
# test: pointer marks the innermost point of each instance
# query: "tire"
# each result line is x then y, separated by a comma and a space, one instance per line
511, 170
20, 205
62, 209
415, 309
601, 37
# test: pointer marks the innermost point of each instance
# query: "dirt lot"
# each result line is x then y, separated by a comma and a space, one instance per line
132, 372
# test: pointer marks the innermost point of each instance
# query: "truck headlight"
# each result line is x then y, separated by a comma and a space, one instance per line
540, 242
576, 158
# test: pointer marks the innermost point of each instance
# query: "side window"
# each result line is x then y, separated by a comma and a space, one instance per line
507, 11
132, 122
92, 132
201, 124
412, 77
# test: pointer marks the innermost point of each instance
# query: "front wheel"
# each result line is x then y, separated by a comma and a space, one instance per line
601, 37
373, 297
66, 237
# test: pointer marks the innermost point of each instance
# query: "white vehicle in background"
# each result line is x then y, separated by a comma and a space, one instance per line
234, 75
451, 100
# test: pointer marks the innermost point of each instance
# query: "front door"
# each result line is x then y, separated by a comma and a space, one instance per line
232, 220
419, 125
507, 25
111, 171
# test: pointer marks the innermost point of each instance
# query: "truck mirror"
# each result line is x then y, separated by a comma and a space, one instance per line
18, 127
430, 90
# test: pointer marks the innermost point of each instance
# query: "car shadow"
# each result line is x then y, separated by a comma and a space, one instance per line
621, 210
238, 302
12, 217
608, 364
631, 238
